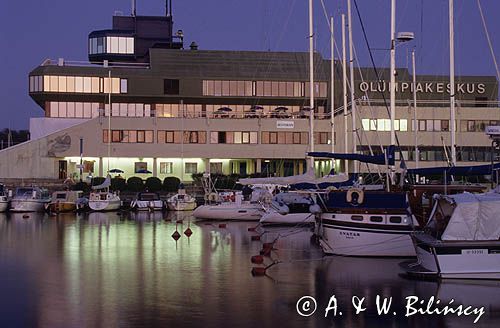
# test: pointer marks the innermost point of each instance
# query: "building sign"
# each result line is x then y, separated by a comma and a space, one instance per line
284, 124
426, 87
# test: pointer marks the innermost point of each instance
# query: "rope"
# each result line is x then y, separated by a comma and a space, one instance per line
488, 38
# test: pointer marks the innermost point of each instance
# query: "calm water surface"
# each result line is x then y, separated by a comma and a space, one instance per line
110, 270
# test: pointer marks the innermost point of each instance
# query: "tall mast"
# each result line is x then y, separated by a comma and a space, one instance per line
311, 84
344, 79
393, 75
109, 117
332, 88
415, 120
452, 87
351, 74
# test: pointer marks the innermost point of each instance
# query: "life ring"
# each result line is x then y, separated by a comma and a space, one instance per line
212, 197
359, 192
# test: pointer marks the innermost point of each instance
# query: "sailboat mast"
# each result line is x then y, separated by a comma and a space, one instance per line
344, 79
452, 87
109, 117
311, 84
415, 120
332, 88
351, 75
393, 75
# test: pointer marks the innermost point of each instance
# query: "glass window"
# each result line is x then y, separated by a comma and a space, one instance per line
87, 84
130, 45
78, 84
32, 83
166, 168
296, 137
79, 110
191, 168
149, 136
116, 136
237, 138
376, 218
422, 126
54, 111
71, 109
141, 136
87, 110
115, 85
54, 84
403, 125
216, 167
245, 137
214, 137
265, 137
366, 124
123, 86
95, 85
122, 45
253, 137
100, 45
114, 45
471, 126
445, 125
63, 109
225, 88
259, 88
267, 88
273, 137
123, 109
275, 89
357, 217
70, 83
395, 219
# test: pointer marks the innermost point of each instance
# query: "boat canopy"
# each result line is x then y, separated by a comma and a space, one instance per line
307, 177
474, 217
104, 185
375, 159
456, 170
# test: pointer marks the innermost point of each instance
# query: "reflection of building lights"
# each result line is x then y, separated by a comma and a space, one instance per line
267, 161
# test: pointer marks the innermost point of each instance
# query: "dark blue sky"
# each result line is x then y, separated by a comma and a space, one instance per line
33, 30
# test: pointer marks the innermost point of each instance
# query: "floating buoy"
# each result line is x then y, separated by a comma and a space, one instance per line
188, 232
258, 271
257, 259
222, 225
176, 235
255, 238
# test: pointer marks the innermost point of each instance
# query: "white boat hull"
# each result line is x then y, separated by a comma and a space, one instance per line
182, 206
105, 205
28, 205
342, 238
230, 211
460, 262
273, 217
4, 205
148, 205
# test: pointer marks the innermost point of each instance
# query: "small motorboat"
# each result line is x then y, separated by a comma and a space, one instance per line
237, 209
4, 199
30, 199
147, 201
181, 201
66, 201
461, 239
102, 199
290, 208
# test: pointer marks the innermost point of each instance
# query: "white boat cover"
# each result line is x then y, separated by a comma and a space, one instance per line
476, 217
104, 185
307, 177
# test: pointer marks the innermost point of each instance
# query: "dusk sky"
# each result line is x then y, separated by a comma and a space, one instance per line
31, 31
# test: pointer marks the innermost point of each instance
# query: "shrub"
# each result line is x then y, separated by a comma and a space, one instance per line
135, 184
171, 184
118, 184
97, 181
153, 184
80, 185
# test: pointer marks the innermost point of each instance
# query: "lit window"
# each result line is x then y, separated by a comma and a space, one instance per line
123, 86
366, 124
403, 125
166, 168
191, 168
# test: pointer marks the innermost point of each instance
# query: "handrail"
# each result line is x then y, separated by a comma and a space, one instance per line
53, 62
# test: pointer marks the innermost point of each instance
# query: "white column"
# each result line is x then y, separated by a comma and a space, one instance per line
155, 167
100, 167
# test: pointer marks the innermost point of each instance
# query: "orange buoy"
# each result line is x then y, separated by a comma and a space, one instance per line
176, 235
188, 232
222, 225
255, 238
258, 271
257, 259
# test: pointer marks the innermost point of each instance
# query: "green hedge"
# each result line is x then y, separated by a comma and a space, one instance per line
153, 184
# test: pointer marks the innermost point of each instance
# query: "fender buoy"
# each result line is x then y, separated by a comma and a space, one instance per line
360, 196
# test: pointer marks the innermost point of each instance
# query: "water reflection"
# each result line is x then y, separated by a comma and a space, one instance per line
110, 269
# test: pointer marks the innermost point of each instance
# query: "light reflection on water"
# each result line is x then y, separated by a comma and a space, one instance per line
107, 270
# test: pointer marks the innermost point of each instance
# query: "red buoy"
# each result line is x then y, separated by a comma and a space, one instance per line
267, 245
176, 235
258, 271
266, 251
188, 232
257, 259
222, 225
255, 238
251, 229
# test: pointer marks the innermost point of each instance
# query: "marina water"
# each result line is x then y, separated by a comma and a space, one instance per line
110, 270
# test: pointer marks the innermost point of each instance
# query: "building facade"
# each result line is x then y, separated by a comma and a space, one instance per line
143, 103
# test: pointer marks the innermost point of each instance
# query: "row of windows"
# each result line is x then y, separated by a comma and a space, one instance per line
77, 84
189, 167
298, 138
70, 109
216, 137
392, 219
129, 136
382, 124
437, 154
111, 45
262, 88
